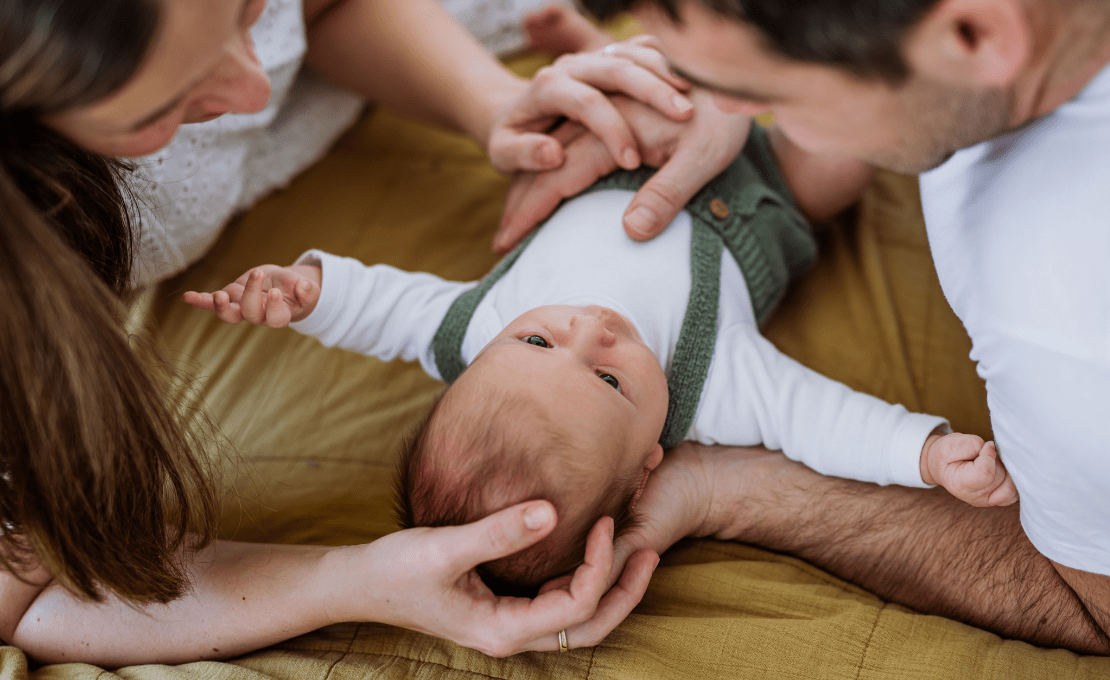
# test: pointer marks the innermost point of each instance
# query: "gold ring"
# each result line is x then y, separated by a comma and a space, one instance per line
563, 640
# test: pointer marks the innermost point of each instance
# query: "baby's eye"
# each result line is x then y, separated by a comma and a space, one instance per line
536, 340
613, 382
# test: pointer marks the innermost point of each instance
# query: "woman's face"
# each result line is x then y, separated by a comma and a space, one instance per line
202, 65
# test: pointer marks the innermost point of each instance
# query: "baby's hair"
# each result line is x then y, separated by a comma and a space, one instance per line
470, 458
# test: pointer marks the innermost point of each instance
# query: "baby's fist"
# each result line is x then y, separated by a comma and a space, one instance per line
968, 468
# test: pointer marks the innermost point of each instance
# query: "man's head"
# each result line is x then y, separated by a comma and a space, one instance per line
566, 404
899, 83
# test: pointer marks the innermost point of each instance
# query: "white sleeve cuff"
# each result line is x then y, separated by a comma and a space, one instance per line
334, 282
904, 461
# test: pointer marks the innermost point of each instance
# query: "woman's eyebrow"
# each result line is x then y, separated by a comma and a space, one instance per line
734, 93
163, 110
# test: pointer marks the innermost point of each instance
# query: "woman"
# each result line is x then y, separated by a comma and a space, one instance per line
107, 510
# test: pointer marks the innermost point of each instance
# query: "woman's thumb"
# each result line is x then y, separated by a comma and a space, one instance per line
503, 533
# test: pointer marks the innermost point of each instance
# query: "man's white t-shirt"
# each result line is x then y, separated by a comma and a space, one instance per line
1019, 228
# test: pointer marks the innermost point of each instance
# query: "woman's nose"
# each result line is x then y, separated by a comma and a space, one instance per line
239, 84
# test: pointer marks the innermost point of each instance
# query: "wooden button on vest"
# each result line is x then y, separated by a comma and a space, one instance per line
719, 208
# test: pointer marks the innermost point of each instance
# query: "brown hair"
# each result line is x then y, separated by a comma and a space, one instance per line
470, 457
103, 479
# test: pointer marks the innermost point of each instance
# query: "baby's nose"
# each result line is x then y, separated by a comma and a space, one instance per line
591, 330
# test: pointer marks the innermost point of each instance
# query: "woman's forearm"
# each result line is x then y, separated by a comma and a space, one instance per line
412, 55
244, 596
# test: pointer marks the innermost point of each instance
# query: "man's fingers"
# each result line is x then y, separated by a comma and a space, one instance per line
500, 534
661, 198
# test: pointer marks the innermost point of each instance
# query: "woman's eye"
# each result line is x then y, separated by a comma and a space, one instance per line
536, 340
613, 382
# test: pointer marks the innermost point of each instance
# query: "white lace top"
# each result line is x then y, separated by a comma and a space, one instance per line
210, 171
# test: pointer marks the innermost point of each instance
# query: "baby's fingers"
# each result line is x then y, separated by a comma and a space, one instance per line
253, 304
226, 310
277, 312
199, 300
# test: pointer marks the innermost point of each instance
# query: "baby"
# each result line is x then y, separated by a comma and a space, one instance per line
584, 355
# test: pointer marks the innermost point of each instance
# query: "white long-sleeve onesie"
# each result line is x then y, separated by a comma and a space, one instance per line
752, 395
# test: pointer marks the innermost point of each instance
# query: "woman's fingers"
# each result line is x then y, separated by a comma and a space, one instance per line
613, 608
646, 55
531, 198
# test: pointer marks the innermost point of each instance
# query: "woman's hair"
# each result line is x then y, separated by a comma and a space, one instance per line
103, 480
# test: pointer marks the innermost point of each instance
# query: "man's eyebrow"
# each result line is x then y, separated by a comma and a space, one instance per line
746, 95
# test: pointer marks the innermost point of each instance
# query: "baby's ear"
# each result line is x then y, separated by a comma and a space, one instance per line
654, 458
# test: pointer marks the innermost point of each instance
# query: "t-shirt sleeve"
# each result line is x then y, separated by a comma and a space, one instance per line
1050, 411
755, 394
380, 311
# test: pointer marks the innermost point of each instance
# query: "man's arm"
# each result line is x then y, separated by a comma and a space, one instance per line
924, 549
921, 548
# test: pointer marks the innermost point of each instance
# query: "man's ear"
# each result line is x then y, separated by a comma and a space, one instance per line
984, 43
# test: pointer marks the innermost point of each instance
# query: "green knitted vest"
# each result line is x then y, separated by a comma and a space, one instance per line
747, 209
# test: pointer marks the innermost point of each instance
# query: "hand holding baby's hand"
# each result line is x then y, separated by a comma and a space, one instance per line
268, 295
968, 468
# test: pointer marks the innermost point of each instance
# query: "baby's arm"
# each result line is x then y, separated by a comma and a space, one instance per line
380, 311
755, 394
268, 296
969, 468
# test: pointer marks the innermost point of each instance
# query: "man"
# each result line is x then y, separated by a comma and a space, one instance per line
1004, 105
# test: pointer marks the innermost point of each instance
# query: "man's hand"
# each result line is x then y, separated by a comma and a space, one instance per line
424, 579
688, 155
968, 468
573, 88
268, 295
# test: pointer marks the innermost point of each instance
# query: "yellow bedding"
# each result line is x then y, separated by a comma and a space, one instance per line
316, 431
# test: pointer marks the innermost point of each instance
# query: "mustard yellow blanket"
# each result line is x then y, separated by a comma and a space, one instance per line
316, 431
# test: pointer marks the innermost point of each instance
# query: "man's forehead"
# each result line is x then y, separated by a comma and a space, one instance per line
716, 52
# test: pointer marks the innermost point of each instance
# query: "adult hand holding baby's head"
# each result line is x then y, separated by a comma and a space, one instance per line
268, 295
433, 586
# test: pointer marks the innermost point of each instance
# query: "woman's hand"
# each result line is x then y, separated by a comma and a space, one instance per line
573, 88
425, 579
688, 155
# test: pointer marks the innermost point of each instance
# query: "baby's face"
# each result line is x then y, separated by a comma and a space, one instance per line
589, 369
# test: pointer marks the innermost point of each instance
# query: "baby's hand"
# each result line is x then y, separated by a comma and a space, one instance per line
268, 295
968, 468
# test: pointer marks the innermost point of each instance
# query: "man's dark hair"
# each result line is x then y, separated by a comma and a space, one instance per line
863, 37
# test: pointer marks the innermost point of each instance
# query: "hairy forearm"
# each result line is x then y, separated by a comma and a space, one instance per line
822, 186
244, 596
413, 56
920, 548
